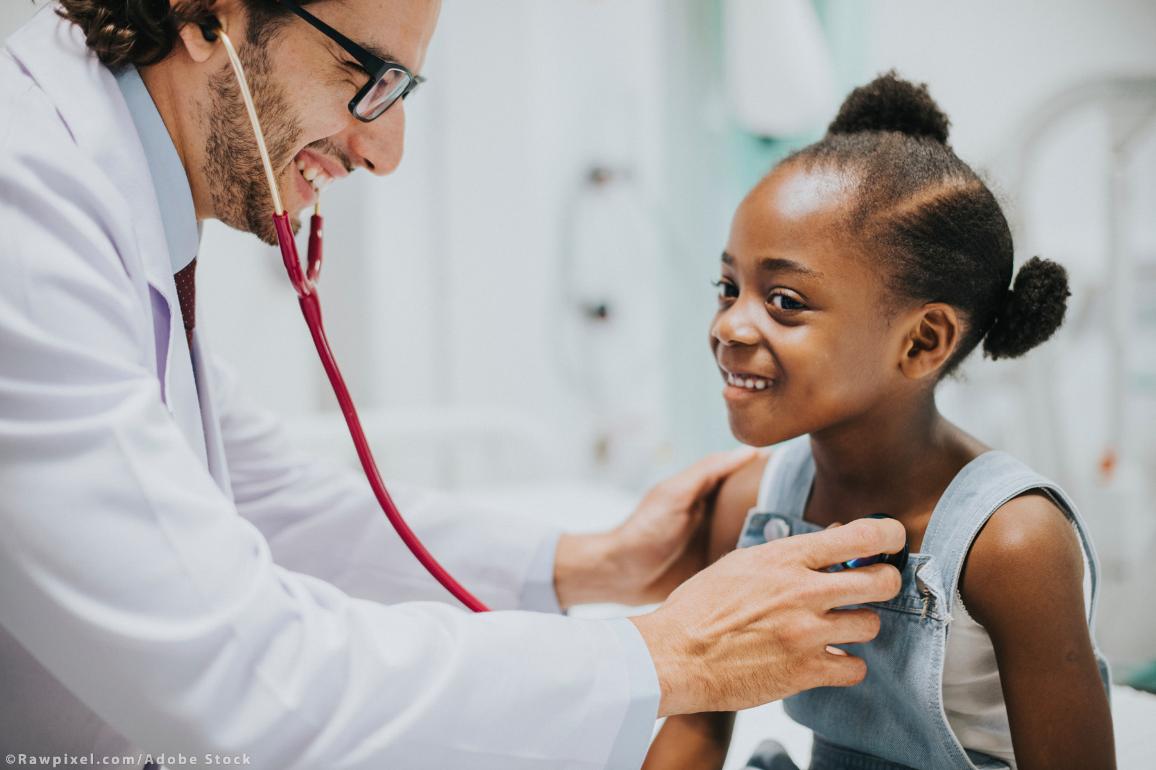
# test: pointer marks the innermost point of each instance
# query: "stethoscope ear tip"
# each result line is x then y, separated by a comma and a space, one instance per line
210, 28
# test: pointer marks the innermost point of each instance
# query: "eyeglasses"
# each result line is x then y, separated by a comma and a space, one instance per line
388, 80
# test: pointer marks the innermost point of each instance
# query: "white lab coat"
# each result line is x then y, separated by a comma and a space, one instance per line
172, 578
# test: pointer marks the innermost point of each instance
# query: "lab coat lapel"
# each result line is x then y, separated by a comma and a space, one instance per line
87, 97
214, 443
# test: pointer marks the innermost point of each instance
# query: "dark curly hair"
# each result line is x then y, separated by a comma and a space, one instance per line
934, 223
143, 32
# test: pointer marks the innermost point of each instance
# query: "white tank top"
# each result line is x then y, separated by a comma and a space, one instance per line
972, 696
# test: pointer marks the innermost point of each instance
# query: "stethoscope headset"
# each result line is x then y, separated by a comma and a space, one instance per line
304, 281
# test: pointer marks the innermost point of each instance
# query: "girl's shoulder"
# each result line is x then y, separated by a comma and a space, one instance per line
735, 497
1027, 549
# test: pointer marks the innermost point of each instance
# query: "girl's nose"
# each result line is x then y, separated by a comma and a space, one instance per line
735, 326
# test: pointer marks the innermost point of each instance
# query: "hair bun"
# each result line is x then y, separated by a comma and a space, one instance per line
1032, 312
890, 103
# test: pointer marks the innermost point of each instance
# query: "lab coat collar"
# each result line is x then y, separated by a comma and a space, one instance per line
178, 215
52, 50
85, 93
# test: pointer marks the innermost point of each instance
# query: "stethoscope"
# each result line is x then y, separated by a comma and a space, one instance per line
305, 283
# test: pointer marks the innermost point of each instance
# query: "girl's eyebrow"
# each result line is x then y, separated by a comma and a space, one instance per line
777, 265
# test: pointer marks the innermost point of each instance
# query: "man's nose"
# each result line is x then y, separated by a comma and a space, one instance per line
378, 145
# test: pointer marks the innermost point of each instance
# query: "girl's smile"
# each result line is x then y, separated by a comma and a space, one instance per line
745, 385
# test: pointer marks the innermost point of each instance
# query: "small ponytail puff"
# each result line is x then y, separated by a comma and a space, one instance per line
1032, 311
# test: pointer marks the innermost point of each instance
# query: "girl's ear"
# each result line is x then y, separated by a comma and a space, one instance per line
930, 341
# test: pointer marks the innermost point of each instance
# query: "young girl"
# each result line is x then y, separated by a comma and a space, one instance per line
861, 271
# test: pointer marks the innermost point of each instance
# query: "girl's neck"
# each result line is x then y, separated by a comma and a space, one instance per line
896, 460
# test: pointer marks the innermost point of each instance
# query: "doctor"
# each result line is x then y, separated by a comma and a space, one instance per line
174, 580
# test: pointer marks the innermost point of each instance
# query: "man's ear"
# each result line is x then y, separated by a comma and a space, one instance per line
195, 42
932, 338
201, 40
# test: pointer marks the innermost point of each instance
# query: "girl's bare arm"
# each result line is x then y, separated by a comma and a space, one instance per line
1023, 582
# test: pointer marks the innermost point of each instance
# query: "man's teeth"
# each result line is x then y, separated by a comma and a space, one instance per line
313, 175
750, 383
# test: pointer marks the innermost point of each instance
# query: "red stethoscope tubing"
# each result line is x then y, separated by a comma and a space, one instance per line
305, 283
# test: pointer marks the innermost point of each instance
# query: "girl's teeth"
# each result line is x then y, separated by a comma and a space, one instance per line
749, 383
310, 174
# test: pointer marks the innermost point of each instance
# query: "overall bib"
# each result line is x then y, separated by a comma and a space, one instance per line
895, 718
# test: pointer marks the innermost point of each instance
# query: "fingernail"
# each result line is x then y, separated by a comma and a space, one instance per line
836, 650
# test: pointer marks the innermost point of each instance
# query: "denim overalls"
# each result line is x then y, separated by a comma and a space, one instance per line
895, 718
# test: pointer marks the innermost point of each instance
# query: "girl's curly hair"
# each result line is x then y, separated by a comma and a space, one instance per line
939, 232
143, 32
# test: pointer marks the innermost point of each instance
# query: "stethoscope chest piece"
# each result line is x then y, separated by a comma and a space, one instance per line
897, 560
764, 526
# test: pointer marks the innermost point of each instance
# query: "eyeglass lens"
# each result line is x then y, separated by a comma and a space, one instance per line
384, 93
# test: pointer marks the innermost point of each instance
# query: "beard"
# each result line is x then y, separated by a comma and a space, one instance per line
237, 182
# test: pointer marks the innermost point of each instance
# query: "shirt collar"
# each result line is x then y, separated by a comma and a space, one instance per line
175, 198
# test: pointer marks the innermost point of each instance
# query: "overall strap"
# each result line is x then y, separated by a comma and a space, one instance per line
978, 491
786, 482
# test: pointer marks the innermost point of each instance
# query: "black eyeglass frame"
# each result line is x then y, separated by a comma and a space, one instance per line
376, 66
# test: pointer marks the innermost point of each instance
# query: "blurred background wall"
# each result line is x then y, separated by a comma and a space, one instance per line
522, 309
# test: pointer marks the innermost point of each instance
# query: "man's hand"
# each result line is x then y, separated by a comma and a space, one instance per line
756, 626
662, 543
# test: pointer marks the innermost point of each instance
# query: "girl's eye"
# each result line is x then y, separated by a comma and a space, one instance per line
783, 301
726, 289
